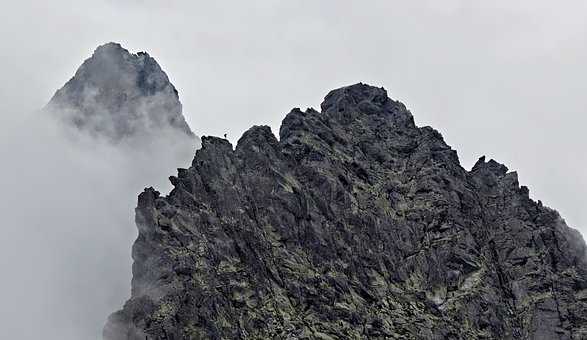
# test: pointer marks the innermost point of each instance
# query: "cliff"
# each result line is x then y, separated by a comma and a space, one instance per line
354, 224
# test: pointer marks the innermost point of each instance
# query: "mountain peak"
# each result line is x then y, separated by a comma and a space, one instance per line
349, 101
352, 95
355, 224
110, 46
116, 94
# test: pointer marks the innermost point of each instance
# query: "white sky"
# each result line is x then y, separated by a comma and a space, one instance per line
506, 79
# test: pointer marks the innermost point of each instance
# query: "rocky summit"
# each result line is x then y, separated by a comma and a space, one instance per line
354, 224
118, 95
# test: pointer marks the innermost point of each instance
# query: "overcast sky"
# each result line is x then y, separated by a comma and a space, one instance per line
505, 79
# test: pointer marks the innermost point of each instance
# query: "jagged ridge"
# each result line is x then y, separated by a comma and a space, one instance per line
354, 224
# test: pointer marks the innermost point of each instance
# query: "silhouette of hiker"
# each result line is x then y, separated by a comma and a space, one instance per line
225, 136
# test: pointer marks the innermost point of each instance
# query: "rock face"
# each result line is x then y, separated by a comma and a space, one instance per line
355, 224
118, 95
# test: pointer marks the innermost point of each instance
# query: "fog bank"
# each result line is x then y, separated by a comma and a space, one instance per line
68, 223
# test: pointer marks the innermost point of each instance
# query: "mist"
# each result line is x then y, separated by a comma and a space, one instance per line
68, 222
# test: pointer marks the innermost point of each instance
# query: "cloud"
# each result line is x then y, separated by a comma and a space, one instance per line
68, 223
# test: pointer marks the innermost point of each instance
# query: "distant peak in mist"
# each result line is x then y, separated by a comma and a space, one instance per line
117, 95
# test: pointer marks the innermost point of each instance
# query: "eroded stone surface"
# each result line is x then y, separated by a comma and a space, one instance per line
355, 224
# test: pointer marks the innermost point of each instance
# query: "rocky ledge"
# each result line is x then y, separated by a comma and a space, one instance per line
355, 224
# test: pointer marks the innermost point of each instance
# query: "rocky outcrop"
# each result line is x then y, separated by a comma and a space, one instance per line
355, 224
118, 95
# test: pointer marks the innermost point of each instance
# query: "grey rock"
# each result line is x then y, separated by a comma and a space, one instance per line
355, 224
118, 95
